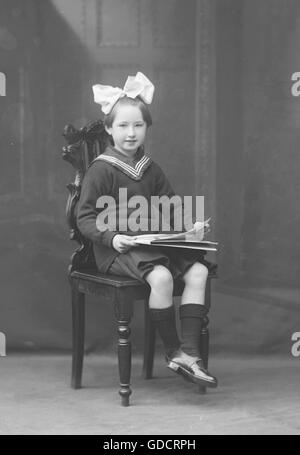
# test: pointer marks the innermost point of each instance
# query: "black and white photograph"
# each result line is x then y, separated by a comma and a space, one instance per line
149, 224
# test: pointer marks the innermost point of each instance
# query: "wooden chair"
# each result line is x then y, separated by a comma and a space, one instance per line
83, 146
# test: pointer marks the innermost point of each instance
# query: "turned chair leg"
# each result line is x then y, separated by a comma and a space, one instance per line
123, 310
78, 320
205, 341
204, 338
149, 344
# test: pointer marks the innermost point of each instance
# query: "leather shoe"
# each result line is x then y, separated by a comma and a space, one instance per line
191, 369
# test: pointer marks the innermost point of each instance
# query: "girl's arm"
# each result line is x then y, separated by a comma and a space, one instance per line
96, 182
164, 188
162, 184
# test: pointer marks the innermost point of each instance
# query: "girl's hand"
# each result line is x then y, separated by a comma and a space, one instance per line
200, 228
122, 243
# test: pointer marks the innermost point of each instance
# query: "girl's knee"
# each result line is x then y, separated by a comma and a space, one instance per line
160, 278
196, 275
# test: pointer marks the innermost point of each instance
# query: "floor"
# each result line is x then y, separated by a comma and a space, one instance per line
256, 395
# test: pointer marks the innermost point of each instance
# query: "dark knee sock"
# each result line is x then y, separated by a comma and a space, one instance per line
165, 323
191, 316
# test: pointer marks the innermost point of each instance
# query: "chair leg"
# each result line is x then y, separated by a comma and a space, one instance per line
149, 344
204, 338
124, 314
204, 341
78, 318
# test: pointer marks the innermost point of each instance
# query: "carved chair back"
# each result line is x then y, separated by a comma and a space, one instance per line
83, 146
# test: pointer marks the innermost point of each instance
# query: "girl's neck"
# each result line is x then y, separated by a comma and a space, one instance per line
130, 155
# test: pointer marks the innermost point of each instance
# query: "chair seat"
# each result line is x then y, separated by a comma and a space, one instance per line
91, 279
108, 280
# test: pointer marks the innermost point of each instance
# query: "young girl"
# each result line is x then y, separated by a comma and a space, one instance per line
124, 165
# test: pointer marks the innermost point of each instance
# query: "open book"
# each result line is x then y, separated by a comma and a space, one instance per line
192, 239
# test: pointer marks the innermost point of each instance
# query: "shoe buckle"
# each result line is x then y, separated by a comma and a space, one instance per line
174, 366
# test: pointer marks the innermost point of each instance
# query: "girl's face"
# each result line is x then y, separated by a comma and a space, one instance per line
128, 129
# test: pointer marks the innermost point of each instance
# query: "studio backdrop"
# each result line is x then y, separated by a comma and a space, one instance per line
226, 126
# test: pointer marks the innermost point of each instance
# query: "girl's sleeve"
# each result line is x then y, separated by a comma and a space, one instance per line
162, 184
179, 210
96, 183
164, 188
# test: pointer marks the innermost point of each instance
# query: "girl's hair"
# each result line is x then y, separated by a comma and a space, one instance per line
125, 100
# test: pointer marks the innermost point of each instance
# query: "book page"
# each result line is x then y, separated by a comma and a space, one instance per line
194, 238
192, 234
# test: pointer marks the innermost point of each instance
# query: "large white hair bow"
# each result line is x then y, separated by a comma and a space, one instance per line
138, 85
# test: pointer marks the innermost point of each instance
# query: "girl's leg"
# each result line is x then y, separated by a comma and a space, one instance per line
161, 307
195, 282
192, 309
187, 360
161, 283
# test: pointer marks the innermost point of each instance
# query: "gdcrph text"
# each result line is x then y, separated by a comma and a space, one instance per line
151, 444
